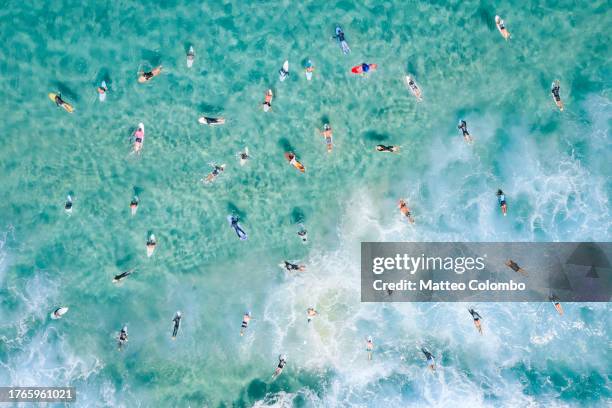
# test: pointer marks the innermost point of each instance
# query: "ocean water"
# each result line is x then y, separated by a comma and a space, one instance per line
553, 166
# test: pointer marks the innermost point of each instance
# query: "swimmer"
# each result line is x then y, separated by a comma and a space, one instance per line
431, 363
190, 56
214, 173
555, 88
177, 323
102, 90
466, 135
293, 267
267, 105
139, 135
282, 360
204, 120
233, 220
369, 347
123, 275
147, 76
290, 156
502, 27
405, 210
59, 312
309, 68
311, 313
68, 204
514, 266
555, 301
122, 338
414, 88
476, 318
151, 244
501, 197
243, 156
391, 149
134, 205
303, 234
245, 322
327, 134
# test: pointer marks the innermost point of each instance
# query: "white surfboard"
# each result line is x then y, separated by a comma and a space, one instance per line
190, 56
102, 96
283, 73
414, 89
58, 313
151, 249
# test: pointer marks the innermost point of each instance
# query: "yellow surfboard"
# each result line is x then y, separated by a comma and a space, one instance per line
68, 107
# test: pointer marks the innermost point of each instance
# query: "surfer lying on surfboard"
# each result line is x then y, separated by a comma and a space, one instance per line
139, 135
243, 156
311, 313
502, 27
147, 76
245, 322
364, 68
134, 205
501, 197
476, 318
177, 323
369, 347
464, 130
233, 220
190, 57
515, 267
282, 360
102, 89
204, 120
267, 105
68, 204
341, 40
57, 98
405, 210
293, 267
555, 88
214, 173
327, 134
151, 245
122, 338
414, 88
290, 156
431, 363
555, 301
118, 278
383, 148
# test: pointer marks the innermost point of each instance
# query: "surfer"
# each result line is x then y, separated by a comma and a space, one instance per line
309, 70
151, 244
147, 76
282, 360
102, 89
555, 301
214, 173
59, 312
290, 156
502, 27
431, 363
476, 318
177, 323
245, 322
134, 204
555, 88
501, 197
514, 266
267, 105
243, 156
341, 40
139, 135
414, 88
293, 267
405, 210
123, 275
327, 134
122, 338
364, 68
466, 135
204, 120
237, 228
283, 73
383, 148
303, 234
369, 347
68, 204
311, 313
190, 57
59, 101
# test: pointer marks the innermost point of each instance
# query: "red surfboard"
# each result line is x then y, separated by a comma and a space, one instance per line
358, 69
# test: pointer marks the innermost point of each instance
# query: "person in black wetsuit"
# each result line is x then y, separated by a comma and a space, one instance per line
383, 148
464, 130
294, 267
282, 360
476, 318
177, 323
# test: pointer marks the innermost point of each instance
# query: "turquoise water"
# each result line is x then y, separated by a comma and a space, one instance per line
553, 166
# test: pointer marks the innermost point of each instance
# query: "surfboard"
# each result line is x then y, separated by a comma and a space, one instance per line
58, 313
416, 91
68, 107
190, 57
358, 69
151, 249
102, 95
294, 162
283, 73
